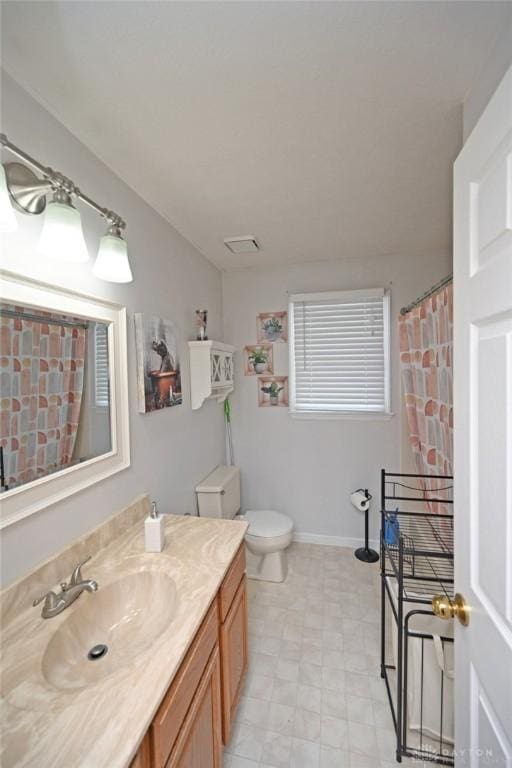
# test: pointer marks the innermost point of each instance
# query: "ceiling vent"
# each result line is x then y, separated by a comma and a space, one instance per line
245, 244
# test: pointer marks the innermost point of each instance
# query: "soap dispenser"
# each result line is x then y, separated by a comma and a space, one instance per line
154, 530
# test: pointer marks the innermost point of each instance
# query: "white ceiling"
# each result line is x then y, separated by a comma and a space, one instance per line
327, 130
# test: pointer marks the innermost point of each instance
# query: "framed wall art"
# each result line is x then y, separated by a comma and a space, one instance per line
272, 327
273, 391
158, 364
258, 359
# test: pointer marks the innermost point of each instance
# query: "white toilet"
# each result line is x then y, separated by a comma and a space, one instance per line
269, 533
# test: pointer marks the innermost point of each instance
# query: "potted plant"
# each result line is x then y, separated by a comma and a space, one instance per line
272, 329
258, 359
273, 390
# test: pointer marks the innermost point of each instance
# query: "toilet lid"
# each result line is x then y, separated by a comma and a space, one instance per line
267, 523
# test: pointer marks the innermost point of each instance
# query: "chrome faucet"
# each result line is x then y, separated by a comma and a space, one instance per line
56, 603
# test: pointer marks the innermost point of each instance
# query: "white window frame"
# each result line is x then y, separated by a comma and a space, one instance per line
386, 413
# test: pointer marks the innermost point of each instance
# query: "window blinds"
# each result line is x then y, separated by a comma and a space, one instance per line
101, 380
339, 350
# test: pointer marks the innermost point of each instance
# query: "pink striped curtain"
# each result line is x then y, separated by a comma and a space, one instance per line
42, 372
426, 358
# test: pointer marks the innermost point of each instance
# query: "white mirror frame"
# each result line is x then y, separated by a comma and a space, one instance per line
27, 499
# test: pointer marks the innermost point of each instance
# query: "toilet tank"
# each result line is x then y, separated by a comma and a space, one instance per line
218, 495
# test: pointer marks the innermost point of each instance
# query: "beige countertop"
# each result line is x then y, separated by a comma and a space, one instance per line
102, 723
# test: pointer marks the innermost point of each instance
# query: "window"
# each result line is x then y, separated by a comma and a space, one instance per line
101, 379
339, 352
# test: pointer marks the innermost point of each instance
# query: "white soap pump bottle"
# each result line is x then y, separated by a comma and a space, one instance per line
154, 530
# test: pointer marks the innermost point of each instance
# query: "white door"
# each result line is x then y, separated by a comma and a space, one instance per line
483, 436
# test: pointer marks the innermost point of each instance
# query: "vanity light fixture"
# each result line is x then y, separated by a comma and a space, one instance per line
8, 221
112, 260
62, 236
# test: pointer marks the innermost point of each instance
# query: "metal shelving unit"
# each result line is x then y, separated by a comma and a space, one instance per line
416, 546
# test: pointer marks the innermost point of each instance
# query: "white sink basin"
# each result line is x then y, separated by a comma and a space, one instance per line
127, 616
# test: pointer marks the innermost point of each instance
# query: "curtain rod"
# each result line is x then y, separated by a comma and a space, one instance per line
42, 319
436, 287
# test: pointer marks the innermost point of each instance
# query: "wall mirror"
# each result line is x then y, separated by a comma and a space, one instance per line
64, 399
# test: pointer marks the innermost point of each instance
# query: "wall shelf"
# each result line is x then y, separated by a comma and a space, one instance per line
211, 371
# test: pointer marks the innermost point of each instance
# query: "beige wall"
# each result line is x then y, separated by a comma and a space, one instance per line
171, 450
308, 468
488, 79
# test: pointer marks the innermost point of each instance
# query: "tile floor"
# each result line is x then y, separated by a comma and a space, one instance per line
314, 697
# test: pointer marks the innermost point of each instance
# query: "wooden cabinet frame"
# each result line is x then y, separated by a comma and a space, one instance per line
197, 712
234, 657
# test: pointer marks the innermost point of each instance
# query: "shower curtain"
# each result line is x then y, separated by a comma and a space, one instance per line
42, 375
426, 358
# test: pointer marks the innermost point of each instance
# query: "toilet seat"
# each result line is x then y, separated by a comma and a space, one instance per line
266, 523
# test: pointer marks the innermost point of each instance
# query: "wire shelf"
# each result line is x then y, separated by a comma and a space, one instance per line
425, 545
425, 534
417, 555
424, 538
421, 589
434, 489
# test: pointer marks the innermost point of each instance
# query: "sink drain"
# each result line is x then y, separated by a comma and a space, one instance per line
97, 652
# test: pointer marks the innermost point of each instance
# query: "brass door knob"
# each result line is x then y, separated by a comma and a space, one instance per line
446, 608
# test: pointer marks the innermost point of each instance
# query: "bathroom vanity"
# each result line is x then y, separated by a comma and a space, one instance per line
175, 624
197, 712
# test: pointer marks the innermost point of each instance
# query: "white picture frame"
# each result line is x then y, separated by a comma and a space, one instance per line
25, 500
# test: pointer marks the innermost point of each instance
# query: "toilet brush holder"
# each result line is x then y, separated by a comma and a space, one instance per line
361, 501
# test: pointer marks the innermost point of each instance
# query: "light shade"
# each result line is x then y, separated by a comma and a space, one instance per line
62, 237
8, 221
112, 260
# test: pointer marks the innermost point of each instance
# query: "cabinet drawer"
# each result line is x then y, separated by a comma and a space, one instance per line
231, 582
171, 714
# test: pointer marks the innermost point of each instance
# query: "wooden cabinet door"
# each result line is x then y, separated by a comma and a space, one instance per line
143, 757
199, 744
178, 701
233, 649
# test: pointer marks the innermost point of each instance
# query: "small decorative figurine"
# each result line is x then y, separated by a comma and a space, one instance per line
201, 320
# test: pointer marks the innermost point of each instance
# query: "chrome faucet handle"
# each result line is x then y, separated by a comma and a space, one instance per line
76, 576
50, 599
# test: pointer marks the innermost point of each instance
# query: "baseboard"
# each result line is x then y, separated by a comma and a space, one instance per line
332, 541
